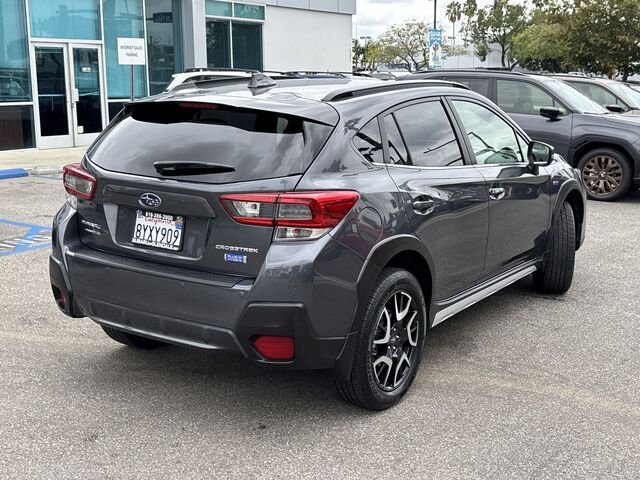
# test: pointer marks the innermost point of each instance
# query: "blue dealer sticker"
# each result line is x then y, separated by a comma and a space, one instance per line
235, 258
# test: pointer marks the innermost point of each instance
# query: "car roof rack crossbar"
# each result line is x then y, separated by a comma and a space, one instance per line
361, 91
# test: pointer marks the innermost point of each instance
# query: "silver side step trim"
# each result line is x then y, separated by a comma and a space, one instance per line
466, 302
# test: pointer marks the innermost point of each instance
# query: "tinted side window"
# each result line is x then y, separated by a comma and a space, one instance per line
478, 85
429, 136
397, 149
598, 94
523, 97
492, 139
369, 142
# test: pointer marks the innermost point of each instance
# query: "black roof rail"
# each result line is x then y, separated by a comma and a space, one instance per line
361, 91
216, 82
220, 69
471, 70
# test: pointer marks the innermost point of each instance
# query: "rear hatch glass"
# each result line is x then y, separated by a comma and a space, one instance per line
255, 144
177, 221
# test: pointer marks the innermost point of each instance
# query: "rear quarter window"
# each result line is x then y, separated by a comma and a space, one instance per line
478, 85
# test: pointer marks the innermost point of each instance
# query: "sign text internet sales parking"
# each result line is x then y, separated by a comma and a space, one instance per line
131, 51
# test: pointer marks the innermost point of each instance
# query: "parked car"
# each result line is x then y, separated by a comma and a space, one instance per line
635, 84
311, 226
611, 94
603, 146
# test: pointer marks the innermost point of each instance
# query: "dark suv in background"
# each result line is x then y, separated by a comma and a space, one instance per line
603, 146
312, 227
615, 96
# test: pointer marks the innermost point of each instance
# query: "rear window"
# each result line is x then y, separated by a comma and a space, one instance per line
257, 144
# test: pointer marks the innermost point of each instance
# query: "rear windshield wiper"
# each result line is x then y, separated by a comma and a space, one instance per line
171, 168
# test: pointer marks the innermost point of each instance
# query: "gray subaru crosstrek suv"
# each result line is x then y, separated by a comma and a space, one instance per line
308, 225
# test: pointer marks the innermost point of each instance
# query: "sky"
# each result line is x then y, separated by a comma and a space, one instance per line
374, 15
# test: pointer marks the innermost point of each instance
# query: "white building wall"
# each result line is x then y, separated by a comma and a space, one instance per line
308, 40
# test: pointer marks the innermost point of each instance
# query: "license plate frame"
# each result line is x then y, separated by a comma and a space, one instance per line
163, 231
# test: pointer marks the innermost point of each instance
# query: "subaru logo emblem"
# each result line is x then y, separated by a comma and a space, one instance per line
150, 200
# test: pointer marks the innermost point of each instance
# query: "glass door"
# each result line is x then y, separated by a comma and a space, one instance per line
70, 94
87, 98
54, 101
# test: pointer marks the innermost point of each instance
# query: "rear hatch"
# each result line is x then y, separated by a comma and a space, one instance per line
161, 168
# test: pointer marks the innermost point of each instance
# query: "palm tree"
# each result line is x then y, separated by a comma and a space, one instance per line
470, 8
469, 11
454, 14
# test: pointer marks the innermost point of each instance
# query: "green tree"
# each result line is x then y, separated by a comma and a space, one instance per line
544, 44
469, 10
454, 14
407, 41
603, 36
357, 54
496, 26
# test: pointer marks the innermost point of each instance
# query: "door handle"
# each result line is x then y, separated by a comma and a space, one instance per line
496, 193
423, 206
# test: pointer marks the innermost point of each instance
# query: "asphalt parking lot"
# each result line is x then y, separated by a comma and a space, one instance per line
518, 386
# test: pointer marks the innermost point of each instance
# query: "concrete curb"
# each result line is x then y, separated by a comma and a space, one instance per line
44, 170
13, 173
8, 173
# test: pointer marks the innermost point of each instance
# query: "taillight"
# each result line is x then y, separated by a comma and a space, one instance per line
78, 182
295, 215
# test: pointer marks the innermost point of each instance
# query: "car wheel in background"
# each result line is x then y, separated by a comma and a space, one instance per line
131, 340
606, 173
389, 349
557, 273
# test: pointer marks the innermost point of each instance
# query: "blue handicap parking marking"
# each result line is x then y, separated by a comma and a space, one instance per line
35, 237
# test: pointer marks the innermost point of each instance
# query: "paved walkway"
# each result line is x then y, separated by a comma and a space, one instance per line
40, 161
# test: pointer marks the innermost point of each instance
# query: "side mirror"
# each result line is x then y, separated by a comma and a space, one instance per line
540, 154
615, 108
552, 113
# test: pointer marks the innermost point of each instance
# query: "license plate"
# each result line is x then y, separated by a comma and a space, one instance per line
158, 230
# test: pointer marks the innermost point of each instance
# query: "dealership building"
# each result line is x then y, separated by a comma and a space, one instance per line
60, 76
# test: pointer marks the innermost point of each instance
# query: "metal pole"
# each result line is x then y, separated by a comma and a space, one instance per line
133, 94
435, 5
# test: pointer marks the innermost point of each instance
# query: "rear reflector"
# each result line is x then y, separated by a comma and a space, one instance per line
295, 215
275, 348
78, 182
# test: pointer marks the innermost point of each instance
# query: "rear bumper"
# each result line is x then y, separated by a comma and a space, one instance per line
199, 310
245, 324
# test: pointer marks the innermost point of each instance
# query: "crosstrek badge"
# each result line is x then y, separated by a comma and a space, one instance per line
235, 258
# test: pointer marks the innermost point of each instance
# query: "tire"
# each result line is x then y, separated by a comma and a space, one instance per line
131, 340
557, 274
369, 385
606, 173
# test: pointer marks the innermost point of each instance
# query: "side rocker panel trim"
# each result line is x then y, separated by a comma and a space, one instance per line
487, 291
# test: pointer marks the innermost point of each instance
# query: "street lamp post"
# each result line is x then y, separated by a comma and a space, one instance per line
435, 14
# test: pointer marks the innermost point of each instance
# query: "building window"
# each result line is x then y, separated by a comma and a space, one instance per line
253, 12
218, 44
16, 127
231, 43
16, 121
77, 19
247, 45
218, 9
122, 18
164, 42
14, 55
